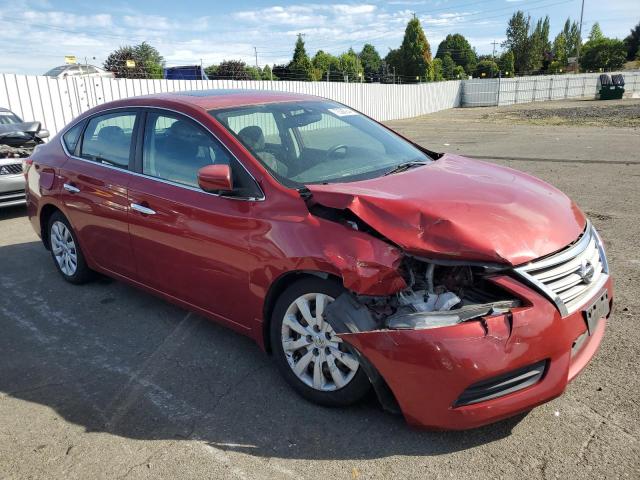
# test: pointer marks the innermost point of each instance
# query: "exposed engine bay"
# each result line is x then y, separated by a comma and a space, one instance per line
436, 295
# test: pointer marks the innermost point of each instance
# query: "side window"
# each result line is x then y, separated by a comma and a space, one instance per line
71, 138
175, 148
259, 132
107, 139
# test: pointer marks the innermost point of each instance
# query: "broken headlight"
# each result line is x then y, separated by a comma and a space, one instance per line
421, 320
439, 296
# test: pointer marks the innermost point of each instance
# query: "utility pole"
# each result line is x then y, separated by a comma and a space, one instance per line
256, 52
579, 38
493, 55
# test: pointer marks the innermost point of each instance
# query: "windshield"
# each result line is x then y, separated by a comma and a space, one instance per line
8, 118
54, 72
317, 141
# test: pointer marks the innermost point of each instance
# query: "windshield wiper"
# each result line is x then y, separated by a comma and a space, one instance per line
402, 167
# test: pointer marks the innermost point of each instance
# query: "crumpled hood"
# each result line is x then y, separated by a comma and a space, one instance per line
462, 209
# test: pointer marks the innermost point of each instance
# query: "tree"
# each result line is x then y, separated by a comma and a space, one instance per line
281, 71
254, 72
539, 50
486, 69
371, 62
505, 64
415, 53
393, 63
518, 40
267, 73
459, 73
300, 66
596, 32
605, 54
148, 62
350, 66
211, 71
448, 66
436, 66
326, 67
230, 70
460, 51
559, 50
632, 42
571, 33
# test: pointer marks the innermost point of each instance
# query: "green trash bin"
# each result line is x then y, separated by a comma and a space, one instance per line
610, 88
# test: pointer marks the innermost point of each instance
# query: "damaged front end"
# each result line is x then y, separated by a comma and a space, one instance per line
436, 296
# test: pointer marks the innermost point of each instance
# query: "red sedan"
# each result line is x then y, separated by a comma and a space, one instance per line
460, 291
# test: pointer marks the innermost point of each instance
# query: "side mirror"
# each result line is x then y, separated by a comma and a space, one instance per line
43, 133
215, 178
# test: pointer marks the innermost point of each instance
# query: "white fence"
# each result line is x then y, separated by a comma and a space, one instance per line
56, 102
509, 91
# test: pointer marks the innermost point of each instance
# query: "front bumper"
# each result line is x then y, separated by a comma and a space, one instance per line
428, 370
12, 190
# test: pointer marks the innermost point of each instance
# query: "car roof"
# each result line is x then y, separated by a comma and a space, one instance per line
223, 98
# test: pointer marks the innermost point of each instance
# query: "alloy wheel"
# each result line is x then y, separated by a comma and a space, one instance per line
64, 248
317, 356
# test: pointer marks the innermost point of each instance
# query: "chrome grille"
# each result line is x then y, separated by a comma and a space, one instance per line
571, 277
11, 169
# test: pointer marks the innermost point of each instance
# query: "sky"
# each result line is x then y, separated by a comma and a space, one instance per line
35, 35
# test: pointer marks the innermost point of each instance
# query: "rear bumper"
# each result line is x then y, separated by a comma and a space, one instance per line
428, 370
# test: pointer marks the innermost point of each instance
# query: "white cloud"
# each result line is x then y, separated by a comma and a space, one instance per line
65, 19
152, 22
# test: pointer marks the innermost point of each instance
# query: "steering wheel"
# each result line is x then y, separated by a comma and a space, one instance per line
336, 148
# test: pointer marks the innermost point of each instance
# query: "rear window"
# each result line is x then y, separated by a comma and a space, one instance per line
107, 139
8, 118
72, 136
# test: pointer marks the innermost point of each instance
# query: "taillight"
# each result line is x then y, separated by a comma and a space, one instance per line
26, 165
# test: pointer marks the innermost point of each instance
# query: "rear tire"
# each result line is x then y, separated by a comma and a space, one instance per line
65, 250
308, 353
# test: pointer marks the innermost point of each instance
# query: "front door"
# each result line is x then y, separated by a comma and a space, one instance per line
95, 189
190, 244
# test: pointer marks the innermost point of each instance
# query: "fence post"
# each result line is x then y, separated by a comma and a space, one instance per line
535, 89
566, 87
550, 88
515, 95
584, 85
499, 86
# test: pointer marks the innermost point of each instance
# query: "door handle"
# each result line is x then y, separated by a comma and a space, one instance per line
142, 209
70, 188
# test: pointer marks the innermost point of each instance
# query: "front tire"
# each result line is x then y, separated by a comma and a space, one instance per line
65, 251
309, 354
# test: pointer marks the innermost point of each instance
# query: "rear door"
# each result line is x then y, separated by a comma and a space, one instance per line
96, 178
190, 244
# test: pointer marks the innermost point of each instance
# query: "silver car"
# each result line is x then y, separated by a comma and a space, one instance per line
11, 182
78, 71
18, 139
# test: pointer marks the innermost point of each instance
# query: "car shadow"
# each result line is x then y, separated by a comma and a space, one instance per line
8, 213
113, 359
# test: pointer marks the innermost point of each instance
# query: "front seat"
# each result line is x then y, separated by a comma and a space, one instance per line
178, 156
113, 145
253, 138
